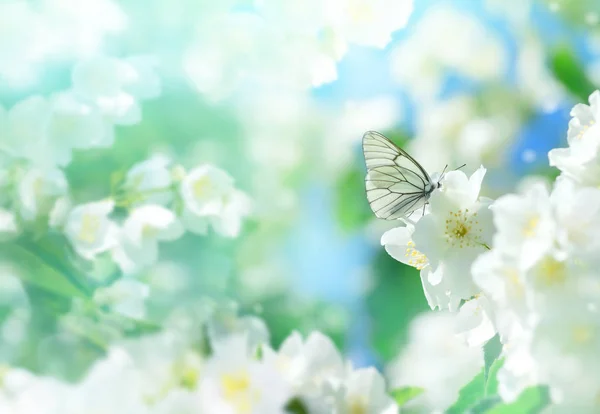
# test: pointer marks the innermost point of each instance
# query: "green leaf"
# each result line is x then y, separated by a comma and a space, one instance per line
351, 205
38, 272
405, 394
531, 401
296, 406
491, 385
484, 405
491, 351
469, 395
570, 73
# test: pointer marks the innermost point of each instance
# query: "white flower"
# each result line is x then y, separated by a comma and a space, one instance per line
125, 296
457, 230
112, 385
564, 347
433, 344
474, 321
420, 61
150, 180
233, 382
225, 322
8, 225
142, 230
307, 364
210, 198
89, 228
398, 243
45, 131
368, 23
580, 160
39, 190
577, 215
363, 391
525, 226
114, 85
501, 279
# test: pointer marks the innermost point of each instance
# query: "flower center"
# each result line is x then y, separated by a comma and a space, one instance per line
201, 187
236, 390
89, 228
531, 226
551, 272
462, 229
416, 258
585, 129
358, 406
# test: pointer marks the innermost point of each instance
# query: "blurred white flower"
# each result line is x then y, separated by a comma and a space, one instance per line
420, 61
368, 23
307, 364
112, 385
210, 198
45, 131
433, 344
225, 322
150, 180
474, 321
114, 86
535, 81
39, 190
125, 296
580, 160
233, 382
90, 230
8, 225
363, 391
53, 30
140, 233
577, 215
525, 226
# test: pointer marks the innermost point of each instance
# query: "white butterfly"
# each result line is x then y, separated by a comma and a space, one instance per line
396, 184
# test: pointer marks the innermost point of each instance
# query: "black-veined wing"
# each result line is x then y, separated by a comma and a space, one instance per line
396, 184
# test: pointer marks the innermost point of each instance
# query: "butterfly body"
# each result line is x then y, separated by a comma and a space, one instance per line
396, 184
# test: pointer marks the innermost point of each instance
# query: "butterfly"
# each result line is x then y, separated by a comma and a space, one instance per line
396, 184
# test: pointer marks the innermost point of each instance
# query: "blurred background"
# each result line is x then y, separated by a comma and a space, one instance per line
266, 92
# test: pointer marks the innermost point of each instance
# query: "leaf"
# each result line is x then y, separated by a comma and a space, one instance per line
351, 206
41, 274
405, 394
491, 351
570, 73
469, 395
491, 385
531, 401
296, 406
484, 405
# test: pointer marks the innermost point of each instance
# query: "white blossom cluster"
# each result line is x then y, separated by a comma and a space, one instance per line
285, 45
52, 31
171, 373
155, 201
524, 266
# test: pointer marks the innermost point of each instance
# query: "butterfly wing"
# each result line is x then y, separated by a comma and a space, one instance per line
396, 184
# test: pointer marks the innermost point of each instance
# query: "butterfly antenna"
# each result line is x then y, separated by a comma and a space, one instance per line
443, 172
456, 169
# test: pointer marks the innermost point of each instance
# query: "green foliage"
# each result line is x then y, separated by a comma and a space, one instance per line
397, 297
469, 395
44, 271
570, 73
531, 401
296, 406
405, 394
491, 352
351, 211
491, 385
